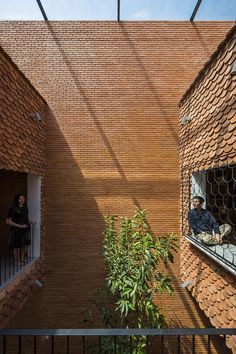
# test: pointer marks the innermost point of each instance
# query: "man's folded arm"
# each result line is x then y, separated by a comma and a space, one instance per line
192, 224
214, 224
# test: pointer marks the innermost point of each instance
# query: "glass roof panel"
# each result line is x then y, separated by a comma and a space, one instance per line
19, 10
80, 9
217, 10
157, 10
133, 10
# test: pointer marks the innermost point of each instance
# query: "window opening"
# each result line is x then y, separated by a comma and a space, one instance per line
218, 188
14, 259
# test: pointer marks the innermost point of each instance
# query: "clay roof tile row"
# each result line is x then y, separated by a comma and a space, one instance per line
221, 54
22, 138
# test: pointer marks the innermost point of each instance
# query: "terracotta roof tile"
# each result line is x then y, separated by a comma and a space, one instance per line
215, 322
228, 41
22, 139
208, 141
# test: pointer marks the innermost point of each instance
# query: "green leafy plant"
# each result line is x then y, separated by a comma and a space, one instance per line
133, 259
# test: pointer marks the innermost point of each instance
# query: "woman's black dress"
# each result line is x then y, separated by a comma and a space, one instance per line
19, 237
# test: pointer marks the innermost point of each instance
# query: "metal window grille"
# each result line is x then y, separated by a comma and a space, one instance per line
218, 188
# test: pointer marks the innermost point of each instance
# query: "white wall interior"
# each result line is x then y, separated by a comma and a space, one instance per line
34, 206
198, 186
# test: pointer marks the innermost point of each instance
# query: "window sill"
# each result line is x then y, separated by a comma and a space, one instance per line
224, 254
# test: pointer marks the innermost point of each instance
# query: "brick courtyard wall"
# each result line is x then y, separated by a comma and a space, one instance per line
112, 143
22, 151
208, 140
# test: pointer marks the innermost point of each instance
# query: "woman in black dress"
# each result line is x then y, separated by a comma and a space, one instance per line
18, 220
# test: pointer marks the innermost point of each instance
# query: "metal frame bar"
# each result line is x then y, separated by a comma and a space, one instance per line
115, 333
118, 10
195, 10
118, 332
42, 10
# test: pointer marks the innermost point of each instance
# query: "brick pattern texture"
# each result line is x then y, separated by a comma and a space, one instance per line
112, 143
22, 150
209, 140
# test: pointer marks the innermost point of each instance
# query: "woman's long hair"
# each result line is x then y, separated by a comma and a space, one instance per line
15, 203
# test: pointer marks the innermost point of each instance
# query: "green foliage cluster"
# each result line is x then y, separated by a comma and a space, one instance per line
133, 258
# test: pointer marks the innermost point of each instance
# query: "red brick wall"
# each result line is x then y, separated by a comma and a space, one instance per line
112, 143
209, 140
22, 150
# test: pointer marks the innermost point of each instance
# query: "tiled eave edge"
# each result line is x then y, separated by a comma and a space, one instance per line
207, 65
14, 294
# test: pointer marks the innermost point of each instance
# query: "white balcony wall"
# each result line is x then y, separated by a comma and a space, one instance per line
34, 205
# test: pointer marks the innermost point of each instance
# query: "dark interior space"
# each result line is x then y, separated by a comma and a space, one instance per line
11, 183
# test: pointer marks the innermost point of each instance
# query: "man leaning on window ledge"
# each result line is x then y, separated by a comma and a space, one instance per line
204, 226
